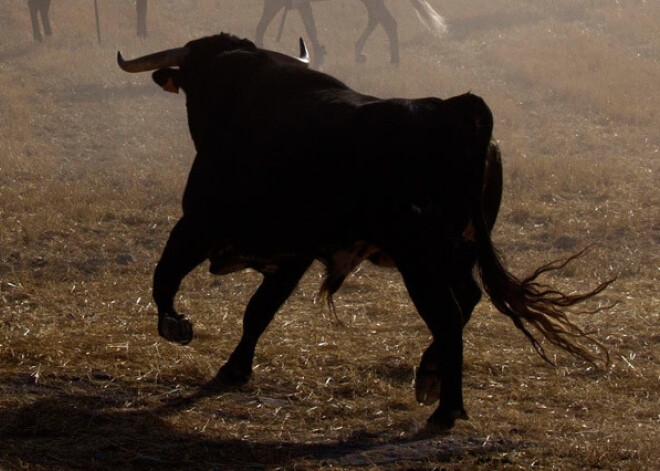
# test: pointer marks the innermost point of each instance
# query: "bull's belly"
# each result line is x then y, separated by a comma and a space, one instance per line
346, 258
230, 260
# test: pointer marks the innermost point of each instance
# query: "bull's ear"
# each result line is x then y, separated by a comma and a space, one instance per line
168, 79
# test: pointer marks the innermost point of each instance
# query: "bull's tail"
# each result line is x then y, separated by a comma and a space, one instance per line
431, 19
530, 303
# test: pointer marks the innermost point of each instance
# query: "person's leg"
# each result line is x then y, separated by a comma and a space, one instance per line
34, 18
271, 8
45, 6
377, 14
390, 26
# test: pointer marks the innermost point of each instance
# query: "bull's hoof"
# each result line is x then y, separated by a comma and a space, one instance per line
231, 377
427, 385
360, 58
445, 419
175, 328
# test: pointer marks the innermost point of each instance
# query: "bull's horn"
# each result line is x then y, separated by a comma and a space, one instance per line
158, 60
302, 61
304, 55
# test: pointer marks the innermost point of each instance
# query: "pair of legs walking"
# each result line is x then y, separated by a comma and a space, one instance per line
377, 13
39, 8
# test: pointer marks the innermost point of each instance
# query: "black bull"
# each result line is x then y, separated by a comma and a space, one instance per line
294, 166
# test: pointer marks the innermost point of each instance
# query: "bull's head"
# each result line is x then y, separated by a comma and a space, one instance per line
205, 49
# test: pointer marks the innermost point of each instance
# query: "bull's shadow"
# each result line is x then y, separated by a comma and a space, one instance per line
95, 429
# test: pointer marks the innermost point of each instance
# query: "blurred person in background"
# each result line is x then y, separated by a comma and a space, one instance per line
378, 14
39, 8
304, 7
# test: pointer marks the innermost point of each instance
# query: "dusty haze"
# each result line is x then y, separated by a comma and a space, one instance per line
92, 166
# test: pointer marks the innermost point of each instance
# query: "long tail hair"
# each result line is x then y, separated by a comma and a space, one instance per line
431, 19
530, 303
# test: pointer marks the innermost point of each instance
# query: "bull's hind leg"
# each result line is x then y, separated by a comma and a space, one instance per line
440, 372
187, 247
468, 295
466, 289
274, 290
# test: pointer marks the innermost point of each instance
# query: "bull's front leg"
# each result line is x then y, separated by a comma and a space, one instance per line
440, 374
271, 294
187, 247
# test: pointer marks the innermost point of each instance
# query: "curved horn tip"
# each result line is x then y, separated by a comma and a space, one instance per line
120, 60
304, 54
157, 60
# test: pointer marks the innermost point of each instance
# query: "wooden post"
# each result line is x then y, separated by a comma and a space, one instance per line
279, 33
98, 24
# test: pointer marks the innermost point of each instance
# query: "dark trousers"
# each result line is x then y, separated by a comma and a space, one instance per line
39, 8
378, 14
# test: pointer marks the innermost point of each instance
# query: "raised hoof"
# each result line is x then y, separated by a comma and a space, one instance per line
427, 385
175, 328
360, 58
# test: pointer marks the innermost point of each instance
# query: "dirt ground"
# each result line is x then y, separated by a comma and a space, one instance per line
92, 167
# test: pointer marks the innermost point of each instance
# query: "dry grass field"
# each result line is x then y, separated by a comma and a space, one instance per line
92, 167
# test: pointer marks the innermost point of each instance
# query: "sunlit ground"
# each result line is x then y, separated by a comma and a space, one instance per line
92, 167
